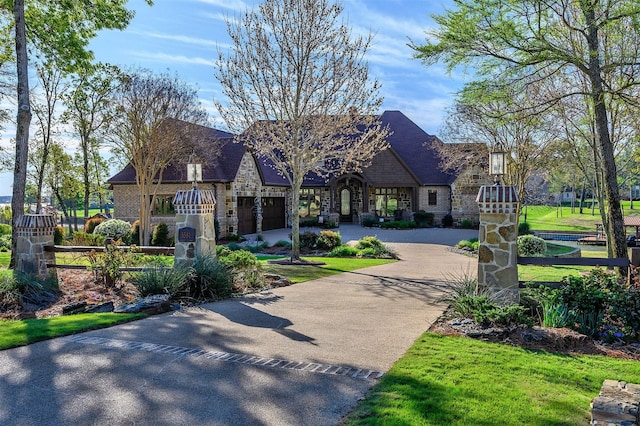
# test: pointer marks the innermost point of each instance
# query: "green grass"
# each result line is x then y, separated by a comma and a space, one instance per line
444, 380
5, 258
19, 333
556, 249
333, 265
549, 218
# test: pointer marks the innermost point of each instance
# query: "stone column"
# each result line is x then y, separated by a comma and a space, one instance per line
34, 233
195, 231
498, 251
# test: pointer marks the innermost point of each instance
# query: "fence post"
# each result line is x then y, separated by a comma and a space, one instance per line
34, 233
498, 250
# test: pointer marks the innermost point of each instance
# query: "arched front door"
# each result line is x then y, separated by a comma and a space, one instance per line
345, 205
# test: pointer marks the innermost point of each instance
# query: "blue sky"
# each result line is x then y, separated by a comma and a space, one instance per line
182, 36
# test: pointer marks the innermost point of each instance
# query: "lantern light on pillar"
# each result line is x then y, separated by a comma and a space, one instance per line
194, 170
497, 163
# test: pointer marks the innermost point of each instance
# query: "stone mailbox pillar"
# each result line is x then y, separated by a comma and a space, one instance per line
498, 251
34, 233
195, 231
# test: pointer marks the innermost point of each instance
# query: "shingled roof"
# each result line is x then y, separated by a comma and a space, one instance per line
415, 148
215, 149
411, 149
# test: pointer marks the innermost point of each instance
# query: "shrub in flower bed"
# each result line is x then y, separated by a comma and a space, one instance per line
530, 245
91, 224
328, 240
83, 239
116, 229
597, 304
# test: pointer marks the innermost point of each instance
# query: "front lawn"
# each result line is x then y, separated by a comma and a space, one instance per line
19, 333
332, 266
444, 380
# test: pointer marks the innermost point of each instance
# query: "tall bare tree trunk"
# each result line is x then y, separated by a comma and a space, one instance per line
616, 240
22, 124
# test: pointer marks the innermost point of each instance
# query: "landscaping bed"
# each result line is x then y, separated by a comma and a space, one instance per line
548, 339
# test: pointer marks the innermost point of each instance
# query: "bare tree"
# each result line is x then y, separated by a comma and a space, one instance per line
298, 82
51, 88
143, 133
89, 112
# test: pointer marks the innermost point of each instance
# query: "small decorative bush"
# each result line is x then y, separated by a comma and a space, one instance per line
344, 251
308, 240
83, 239
58, 235
160, 236
234, 237
423, 219
330, 225
245, 268
371, 246
282, 243
447, 221
328, 240
470, 244
399, 224
5, 243
309, 222
530, 245
135, 232
91, 224
466, 224
116, 229
5, 229
222, 251
524, 228
369, 221
234, 246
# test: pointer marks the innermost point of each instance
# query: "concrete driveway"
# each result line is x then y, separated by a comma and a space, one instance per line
297, 355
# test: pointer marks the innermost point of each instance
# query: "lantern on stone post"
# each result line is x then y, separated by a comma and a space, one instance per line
498, 163
194, 170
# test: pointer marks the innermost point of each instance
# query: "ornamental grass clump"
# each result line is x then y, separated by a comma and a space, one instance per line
210, 278
158, 279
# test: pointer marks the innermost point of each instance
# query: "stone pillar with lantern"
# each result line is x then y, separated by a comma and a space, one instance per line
498, 234
195, 230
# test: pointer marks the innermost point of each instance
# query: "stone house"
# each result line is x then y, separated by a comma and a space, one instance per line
401, 180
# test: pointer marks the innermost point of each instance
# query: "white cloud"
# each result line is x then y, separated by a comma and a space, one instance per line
173, 59
237, 5
178, 38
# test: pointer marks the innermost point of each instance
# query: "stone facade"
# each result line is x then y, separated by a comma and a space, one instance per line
33, 234
463, 195
443, 201
498, 250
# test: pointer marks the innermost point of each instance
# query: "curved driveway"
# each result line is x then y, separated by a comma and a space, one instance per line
297, 355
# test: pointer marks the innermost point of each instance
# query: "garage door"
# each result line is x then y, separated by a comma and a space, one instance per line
246, 216
273, 213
